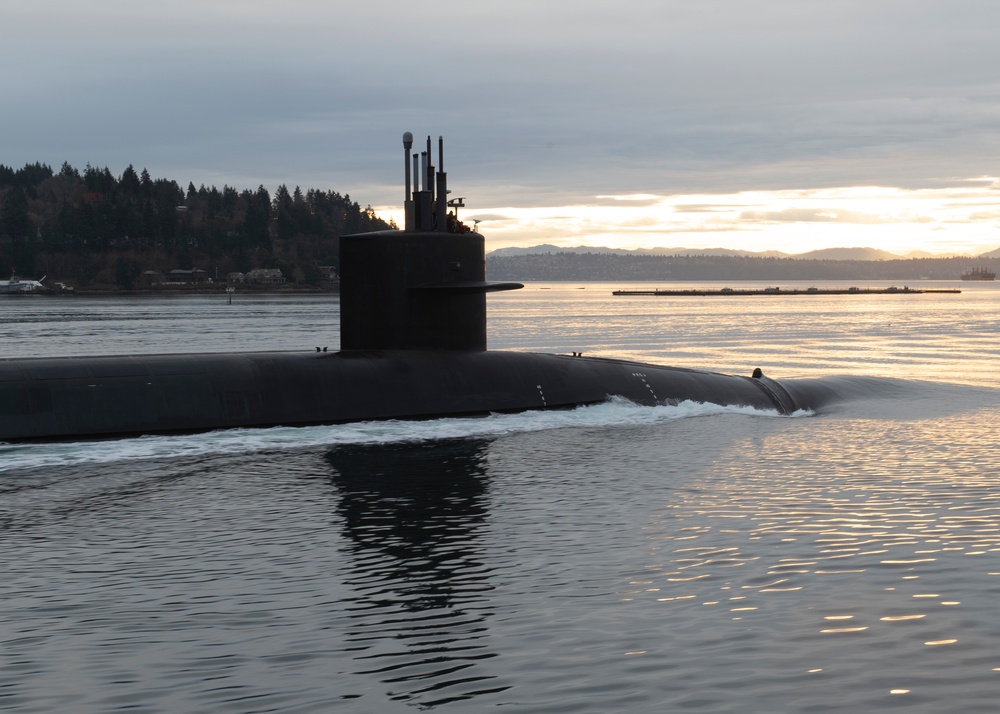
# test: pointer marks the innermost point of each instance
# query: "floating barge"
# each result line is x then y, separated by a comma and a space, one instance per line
738, 292
979, 274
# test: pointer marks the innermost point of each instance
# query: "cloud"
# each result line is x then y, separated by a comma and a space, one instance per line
487, 217
985, 216
810, 215
630, 102
634, 198
705, 207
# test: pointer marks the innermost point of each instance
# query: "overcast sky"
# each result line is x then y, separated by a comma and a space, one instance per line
734, 123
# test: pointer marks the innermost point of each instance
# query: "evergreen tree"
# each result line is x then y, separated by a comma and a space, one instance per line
14, 220
256, 224
130, 184
146, 183
284, 213
17, 227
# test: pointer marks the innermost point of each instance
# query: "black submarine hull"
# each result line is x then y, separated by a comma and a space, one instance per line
413, 346
95, 397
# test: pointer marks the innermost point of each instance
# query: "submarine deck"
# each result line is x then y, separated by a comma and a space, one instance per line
59, 398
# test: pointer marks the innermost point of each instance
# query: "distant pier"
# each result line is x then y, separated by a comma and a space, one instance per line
740, 292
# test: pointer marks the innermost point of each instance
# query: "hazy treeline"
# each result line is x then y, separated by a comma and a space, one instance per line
606, 266
92, 228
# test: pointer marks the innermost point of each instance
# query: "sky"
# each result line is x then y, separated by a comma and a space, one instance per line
786, 125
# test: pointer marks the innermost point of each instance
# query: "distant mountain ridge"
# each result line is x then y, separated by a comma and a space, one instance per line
823, 254
589, 266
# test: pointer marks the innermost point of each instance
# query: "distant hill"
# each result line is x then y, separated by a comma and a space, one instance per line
548, 249
847, 254
824, 254
611, 266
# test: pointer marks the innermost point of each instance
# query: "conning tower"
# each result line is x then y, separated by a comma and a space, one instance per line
422, 288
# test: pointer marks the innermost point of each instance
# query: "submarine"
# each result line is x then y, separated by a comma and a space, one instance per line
413, 346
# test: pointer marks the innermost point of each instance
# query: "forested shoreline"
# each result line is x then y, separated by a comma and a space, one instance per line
96, 231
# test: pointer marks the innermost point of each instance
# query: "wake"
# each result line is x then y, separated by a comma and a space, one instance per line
616, 412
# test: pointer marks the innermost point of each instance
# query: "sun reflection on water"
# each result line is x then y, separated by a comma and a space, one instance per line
872, 548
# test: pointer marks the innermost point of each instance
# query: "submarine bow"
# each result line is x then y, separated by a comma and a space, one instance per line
413, 345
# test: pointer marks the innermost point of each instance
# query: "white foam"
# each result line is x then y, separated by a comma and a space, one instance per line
616, 412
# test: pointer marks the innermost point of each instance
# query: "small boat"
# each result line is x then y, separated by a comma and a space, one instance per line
19, 286
979, 274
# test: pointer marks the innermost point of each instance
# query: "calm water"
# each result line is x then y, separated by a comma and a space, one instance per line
613, 558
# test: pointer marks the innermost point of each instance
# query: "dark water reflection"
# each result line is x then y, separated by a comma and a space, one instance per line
627, 562
412, 516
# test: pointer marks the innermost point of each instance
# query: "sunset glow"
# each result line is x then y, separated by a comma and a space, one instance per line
632, 124
949, 221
